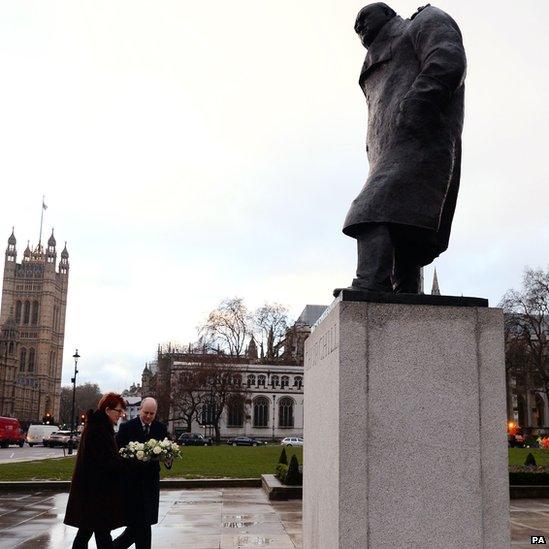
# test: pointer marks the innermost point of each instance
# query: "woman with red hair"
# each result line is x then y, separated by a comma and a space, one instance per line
96, 504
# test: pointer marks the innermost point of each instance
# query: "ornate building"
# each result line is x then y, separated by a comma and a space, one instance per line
32, 321
271, 390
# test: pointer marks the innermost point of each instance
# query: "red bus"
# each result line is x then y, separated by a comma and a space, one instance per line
10, 432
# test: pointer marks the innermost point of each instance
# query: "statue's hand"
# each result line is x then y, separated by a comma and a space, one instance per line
418, 116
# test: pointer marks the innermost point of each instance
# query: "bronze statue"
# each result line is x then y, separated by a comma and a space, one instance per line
412, 78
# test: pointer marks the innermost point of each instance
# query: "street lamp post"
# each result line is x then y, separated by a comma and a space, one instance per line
76, 356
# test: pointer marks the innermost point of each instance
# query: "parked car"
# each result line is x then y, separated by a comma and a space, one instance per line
10, 432
292, 441
245, 441
194, 439
37, 433
61, 438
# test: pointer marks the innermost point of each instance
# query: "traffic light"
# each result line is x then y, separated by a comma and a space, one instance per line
82, 418
47, 419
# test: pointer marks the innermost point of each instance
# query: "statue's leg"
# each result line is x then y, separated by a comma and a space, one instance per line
406, 277
375, 258
407, 270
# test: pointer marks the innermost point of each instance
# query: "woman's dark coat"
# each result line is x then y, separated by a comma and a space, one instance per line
96, 501
142, 483
413, 82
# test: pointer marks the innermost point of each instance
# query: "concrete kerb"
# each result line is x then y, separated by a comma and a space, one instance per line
165, 484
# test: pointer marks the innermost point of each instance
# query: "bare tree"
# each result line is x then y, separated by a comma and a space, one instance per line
271, 323
187, 395
526, 331
222, 385
87, 396
228, 326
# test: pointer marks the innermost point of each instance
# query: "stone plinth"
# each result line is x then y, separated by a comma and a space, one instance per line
405, 428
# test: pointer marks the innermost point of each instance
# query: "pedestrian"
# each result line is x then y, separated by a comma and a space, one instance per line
142, 485
96, 502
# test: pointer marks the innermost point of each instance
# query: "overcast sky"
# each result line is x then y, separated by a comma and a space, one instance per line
192, 151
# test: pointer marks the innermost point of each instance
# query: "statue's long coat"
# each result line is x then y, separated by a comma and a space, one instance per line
413, 82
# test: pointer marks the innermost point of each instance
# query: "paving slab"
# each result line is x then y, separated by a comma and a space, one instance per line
200, 519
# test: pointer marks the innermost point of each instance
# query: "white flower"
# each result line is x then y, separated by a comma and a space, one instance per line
140, 454
157, 450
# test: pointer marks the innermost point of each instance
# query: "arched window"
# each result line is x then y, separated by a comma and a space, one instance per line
18, 312
22, 359
284, 382
540, 411
11, 348
35, 312
286, 412
261, 380
26, 312
237, 380
261, 412
251, 380
236, 413
30, 367
274, 381
208, 414
298, 382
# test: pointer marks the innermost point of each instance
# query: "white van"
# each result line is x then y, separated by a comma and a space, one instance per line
37, 433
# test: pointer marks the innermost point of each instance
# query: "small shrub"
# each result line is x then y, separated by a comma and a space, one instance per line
283, 457
293, 476
281, 471
530, 460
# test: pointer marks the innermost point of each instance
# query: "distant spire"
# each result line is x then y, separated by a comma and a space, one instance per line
51, 241
11, 239
435, 290
252, 349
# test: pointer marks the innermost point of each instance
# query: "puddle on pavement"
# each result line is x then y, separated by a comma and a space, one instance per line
239, 524
254, 540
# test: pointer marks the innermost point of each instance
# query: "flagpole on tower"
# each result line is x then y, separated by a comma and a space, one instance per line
44, 207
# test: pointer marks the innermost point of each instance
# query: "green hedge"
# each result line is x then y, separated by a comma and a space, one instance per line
534, 479
281, 472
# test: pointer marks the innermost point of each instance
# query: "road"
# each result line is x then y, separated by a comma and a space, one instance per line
14, 454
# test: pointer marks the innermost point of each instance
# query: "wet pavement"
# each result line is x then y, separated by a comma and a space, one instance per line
235, 518
199, 519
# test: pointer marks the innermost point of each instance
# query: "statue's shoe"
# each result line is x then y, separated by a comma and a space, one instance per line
360, 289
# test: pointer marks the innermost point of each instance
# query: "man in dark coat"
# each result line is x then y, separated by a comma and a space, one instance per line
142, 486
413, 80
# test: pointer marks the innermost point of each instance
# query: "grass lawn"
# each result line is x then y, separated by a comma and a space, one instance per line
197, 462
208, 462
517, 456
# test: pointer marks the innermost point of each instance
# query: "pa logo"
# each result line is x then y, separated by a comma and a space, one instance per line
538, 540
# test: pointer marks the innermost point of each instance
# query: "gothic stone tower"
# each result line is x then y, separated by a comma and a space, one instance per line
34, 300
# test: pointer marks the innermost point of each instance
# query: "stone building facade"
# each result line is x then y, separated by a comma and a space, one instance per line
272, 390
32, 321
272, 407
